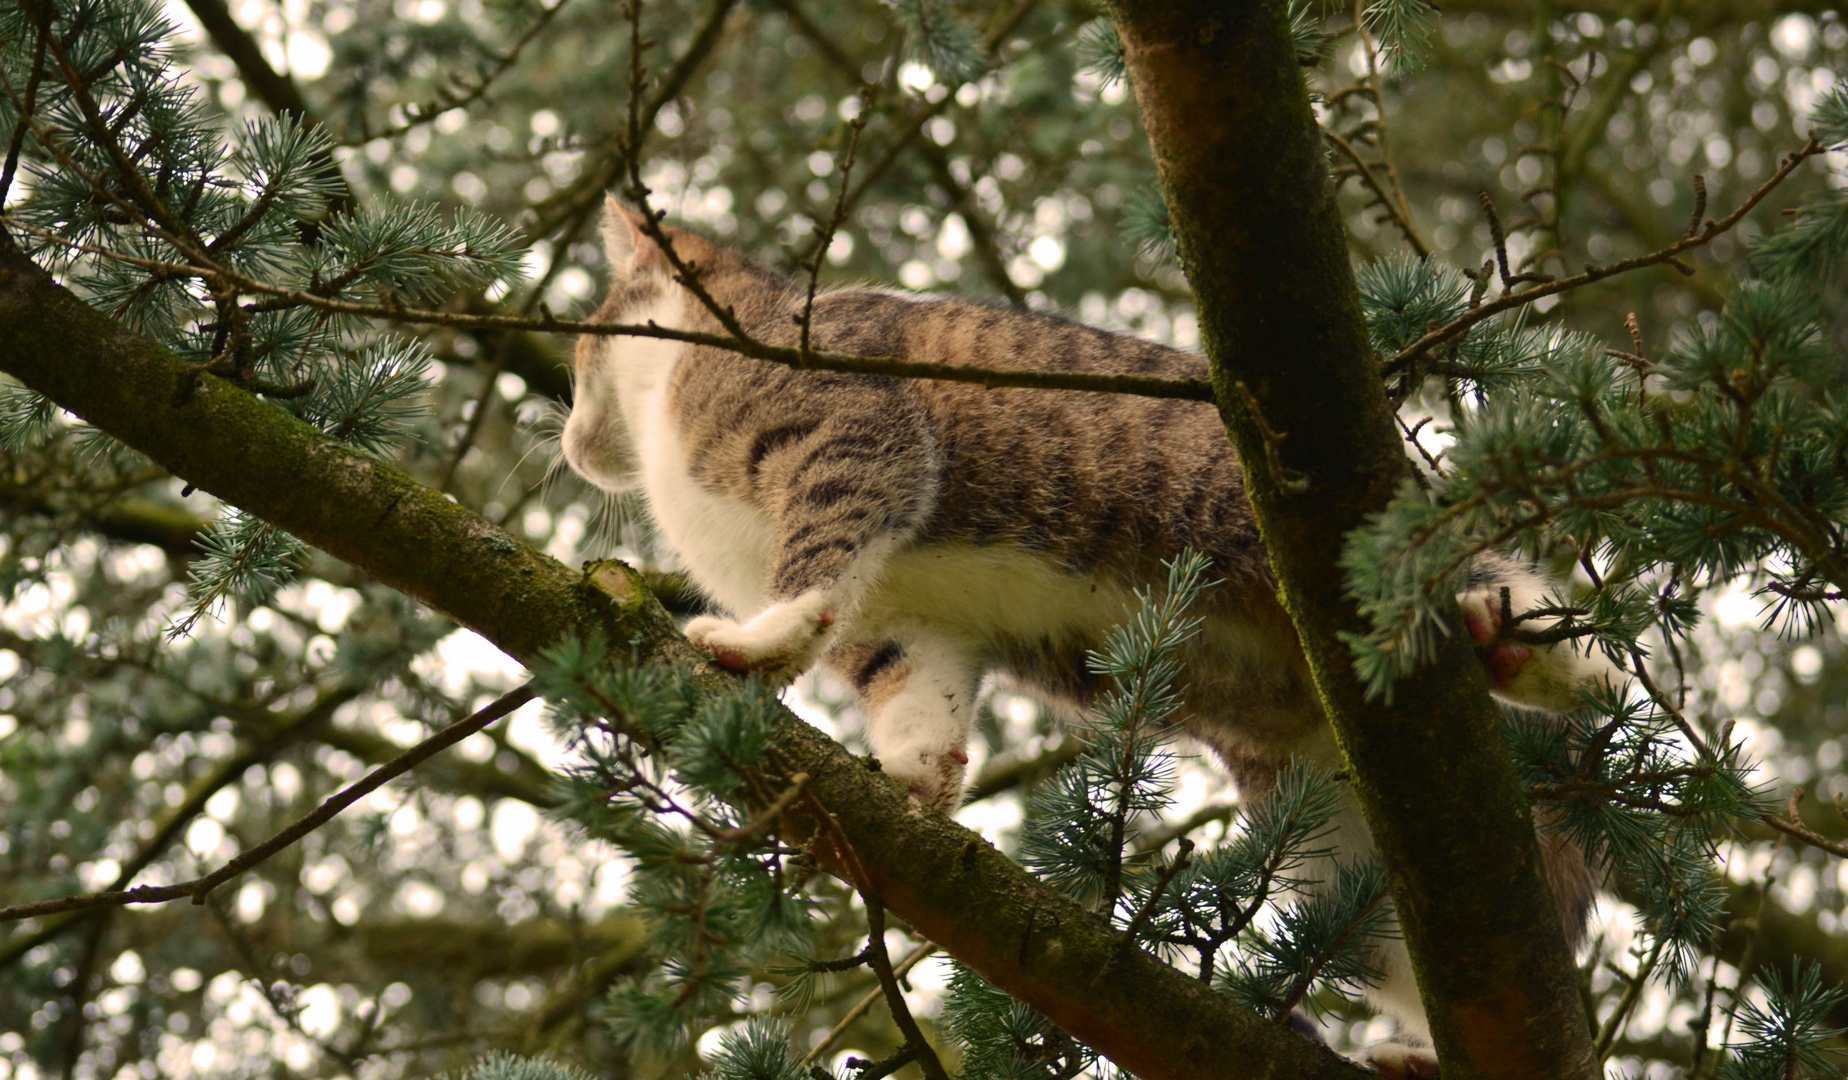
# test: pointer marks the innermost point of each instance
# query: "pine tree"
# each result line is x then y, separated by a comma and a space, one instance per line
384, 244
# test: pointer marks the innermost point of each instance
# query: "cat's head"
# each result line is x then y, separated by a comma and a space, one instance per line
645, 287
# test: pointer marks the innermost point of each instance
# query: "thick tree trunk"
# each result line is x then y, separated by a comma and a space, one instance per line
1261, 239
942, 879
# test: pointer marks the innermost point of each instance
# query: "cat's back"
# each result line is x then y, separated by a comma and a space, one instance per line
1094, 481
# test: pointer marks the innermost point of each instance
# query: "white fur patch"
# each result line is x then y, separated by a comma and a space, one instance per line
1554, 677
1400, 1060
724, 544
975, 593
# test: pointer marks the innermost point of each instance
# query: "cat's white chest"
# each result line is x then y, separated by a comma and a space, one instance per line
724, 543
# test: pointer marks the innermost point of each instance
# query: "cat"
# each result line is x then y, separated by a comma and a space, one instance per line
915, 536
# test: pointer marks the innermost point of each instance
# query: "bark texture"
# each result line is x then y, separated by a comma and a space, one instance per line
942, 879
1261, 239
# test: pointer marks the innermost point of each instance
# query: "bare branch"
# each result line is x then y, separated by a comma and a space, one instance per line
904, 967
888, 981
818, 359
465, 94
1511, 300
1382, 197
1797, 832
824, 234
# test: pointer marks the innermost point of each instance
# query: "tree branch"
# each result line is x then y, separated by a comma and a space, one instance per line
940, 878
1510, 300
789, 356
1260, 234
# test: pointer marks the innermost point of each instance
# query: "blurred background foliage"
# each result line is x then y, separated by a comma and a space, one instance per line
453, 916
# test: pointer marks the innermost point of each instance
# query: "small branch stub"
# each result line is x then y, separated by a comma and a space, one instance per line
1288, 480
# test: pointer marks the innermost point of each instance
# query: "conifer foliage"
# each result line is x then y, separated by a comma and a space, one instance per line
1648, 477
194, 237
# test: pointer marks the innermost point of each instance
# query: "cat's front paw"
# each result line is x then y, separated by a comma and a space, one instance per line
1503, 657
1402, 1060
782, 641
1549, 676
933, 774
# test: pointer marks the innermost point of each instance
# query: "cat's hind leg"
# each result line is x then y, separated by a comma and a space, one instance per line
1407, 1054
919, 693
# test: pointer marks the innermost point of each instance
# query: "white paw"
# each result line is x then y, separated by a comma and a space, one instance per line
1549, 676
1402, 1060
932, 771
783, 640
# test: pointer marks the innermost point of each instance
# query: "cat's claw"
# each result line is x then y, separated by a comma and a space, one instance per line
1402, 1061
783, 641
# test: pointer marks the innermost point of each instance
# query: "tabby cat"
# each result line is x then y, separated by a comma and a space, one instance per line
915, 536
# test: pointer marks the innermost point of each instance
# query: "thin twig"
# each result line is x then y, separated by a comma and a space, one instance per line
198, 793
1306, 979
199, 888
1403, 214
824, 233
914, 127
27, 107
1411, 436
860, 1009
1793, 828
1288, 481
819, 359
1181, 859
1157, 838
879, 1070
798, 787
420, 113
587, 192
1632, 993
1641, 668
895, 997
1748, 956
981, 231
1382, 197
1510, 300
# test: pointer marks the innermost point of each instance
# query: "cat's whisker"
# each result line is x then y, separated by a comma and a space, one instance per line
609, 521
548, 429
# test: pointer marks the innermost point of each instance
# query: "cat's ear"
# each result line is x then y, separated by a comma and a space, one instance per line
625, 244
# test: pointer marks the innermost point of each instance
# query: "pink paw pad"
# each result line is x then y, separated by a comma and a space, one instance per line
1402, 1062
1504, 658
941, 789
